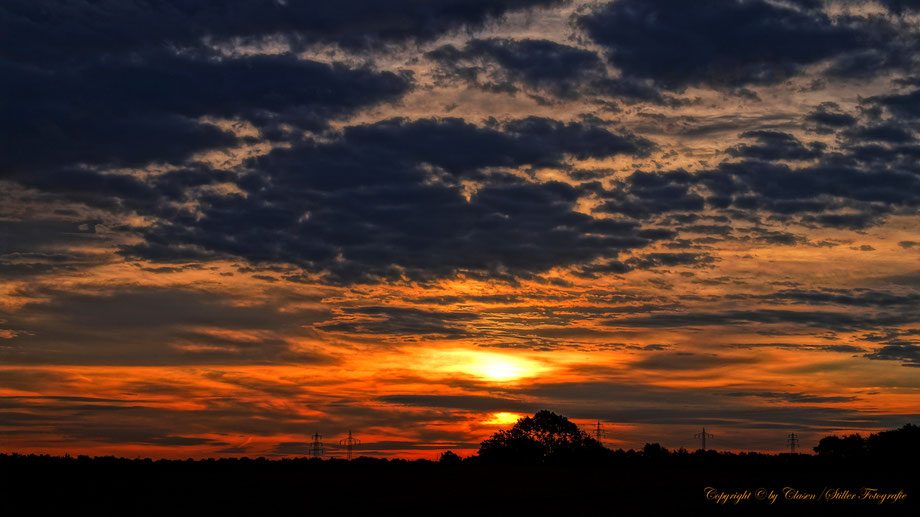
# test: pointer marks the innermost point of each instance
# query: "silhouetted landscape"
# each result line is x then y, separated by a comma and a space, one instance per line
543, 465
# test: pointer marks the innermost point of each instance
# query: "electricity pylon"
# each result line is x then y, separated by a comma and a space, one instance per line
316, 448
702, 437
792, 442
599, 432
349, 444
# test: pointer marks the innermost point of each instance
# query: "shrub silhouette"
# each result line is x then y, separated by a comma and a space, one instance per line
545, 438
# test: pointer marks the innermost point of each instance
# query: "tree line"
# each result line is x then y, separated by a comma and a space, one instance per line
548, 438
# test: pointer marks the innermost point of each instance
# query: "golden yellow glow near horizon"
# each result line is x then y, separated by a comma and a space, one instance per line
488, 366
503, 419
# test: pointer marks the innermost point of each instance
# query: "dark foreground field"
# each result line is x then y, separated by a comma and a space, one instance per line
41, 485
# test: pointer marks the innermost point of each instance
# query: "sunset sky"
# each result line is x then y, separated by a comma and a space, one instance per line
228, 225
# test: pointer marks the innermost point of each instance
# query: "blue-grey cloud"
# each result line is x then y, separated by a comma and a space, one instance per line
721, 44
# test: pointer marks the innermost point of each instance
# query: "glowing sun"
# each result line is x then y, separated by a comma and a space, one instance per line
490, 366
503, 419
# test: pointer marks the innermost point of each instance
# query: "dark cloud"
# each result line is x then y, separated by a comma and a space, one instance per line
649, 261
122, 434
827, 114
125, 84
373, 207
846, 297
689, 361
613, 401
71, 399
861, 195
150, 425
506, 65
775, 145
645, 194
153, 326
722, 44
400, 321
901, 6
837, 321
116, 193
848, 349
465, 402
540, 64
43, 238
147, 109
629, 403
888, 133
905, 105
851, 221
897, 345
18, 265
460, 147
23, 379
293, 448
671, 259
795, 398
907, 353
36, 247
722, 230
57, 30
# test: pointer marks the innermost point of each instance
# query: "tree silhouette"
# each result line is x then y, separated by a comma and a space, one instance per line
852, 446
653, 450
544, 438
450, 458
901, 443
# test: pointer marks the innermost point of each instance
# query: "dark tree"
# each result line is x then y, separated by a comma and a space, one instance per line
903, 443
652, 450
544, 438
852, 446
450, 458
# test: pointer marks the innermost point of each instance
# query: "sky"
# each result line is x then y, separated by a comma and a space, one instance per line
226, 226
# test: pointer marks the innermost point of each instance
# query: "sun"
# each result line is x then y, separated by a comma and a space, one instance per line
501, 369
502, 418
498, 367
486, 366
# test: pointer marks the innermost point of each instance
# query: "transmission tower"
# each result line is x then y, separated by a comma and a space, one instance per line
599, 432
702, 437
316, 448
349, 444
792, 441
